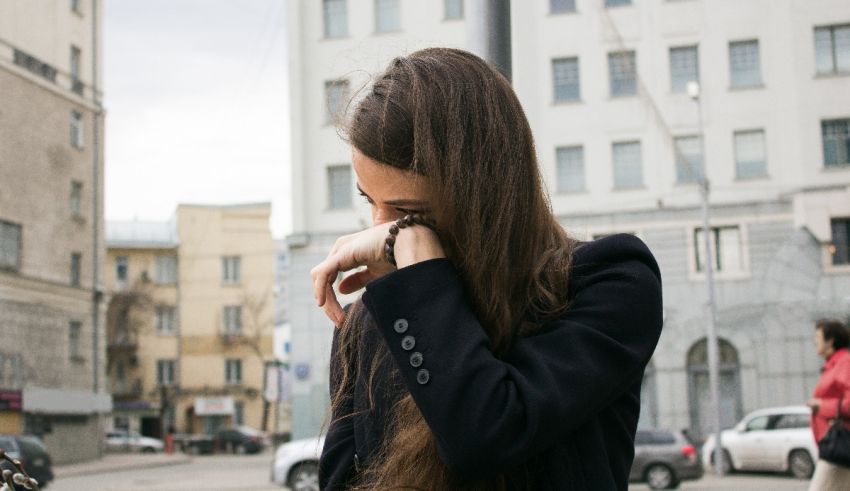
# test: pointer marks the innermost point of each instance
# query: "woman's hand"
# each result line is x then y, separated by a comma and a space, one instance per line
413, 244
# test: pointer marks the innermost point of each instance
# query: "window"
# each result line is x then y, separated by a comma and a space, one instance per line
726, 253
34, 65
231, 269
628, 169
10, 245
758, 424
233, 319
622, 73
76, 129
165, 372
840, 247
76, 260
790, 421
74, 351
76, 83
836, 142
832, 49
121, 265
238, 413
617, 3
336, 97
233, 371
387, 15
76, 199
565, 79
684, 67
454, 9
336, 18
744, 64
570, 169
561, 6
688, 159
120, 373
166, 319
339, 187
165, 270
75, 6
750, 160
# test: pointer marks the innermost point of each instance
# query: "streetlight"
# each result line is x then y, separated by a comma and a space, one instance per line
693, 89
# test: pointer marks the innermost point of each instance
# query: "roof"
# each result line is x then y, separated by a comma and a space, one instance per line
141, 235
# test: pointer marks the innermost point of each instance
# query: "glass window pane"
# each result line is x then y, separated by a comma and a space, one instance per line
628, 171
336, 98
339, 187
336, 18
823, 50
840, 241
454, 9
744, 64
729, 250
622, 73
566, 79
559, 6
10, 245
387, 15
750, 158
683, 67
570, 169
688, 159
617, 3
836, 142
841, 44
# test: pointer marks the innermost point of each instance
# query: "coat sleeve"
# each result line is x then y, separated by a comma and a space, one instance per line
489, 414
829, 405
336, 464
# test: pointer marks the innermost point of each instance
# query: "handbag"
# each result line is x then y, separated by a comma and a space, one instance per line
834, 447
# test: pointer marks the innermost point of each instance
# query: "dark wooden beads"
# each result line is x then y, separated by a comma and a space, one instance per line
406, 221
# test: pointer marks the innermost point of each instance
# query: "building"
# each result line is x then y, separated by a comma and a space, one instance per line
604, 85
51, 226
191, 319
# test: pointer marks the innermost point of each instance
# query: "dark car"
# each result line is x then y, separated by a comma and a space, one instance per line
33, 455
240, 439
664, 458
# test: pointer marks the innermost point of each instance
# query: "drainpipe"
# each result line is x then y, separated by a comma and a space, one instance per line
97, 292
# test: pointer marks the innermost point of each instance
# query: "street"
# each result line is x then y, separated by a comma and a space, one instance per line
251, 472
202, 473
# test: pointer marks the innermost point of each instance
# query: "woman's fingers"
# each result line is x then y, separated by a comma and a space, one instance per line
332, 307
354, 282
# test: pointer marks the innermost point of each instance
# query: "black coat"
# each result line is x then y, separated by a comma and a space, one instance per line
566, 398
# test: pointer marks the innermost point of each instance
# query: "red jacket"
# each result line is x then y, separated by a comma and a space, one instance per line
833, 383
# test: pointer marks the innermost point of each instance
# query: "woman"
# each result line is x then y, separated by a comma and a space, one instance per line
497, 353
831, 341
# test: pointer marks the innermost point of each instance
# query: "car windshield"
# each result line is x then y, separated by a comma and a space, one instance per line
32, 444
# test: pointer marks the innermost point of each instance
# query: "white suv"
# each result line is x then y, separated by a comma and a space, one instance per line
774, 439
296, 464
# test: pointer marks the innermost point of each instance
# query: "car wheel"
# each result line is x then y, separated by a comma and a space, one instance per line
304, 477
800, 464
659, 476
148, 450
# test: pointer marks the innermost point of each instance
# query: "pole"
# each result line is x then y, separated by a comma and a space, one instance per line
713, 368
489, 32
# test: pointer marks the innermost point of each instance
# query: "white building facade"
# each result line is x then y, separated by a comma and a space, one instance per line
603, 83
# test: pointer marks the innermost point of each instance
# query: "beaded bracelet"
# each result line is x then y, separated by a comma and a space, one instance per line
406, 221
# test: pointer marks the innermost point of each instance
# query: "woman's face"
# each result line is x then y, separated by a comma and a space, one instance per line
823, 346
392, 193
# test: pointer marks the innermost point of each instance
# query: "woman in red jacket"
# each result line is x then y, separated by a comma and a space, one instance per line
831, 340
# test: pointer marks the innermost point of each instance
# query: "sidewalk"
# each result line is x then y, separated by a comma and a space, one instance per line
112, 462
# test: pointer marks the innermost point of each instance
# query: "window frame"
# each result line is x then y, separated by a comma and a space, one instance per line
331, 206
166, 325
628, 56
327, 32
831, 28
378, 16
166, 366
75, 334
739, 133
577, 83
7, 225
231, 270
838, 164
614, 173
232, 324
76, 269
77, 130
696, 273
741, 82
674, 88
559, 177
233, 371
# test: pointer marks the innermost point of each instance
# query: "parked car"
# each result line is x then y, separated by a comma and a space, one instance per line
296, 464
195, 444
664, 458
33, 455
240, 439
130, 441
773, 439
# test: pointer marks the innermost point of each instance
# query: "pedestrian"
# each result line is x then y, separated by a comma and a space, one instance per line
831, 340
490, 350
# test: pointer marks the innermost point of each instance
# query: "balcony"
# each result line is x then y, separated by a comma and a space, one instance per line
127, 389
77, 86
123, 341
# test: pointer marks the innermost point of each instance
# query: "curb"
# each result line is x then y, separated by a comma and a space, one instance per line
106, 467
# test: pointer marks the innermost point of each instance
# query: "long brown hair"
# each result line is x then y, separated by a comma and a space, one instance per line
449, 117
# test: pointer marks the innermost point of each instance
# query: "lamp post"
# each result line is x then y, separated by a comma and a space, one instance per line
694, 92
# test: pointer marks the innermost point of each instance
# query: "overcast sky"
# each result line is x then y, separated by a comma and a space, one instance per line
196, 106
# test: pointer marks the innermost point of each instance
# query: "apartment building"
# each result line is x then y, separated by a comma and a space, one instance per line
623, 147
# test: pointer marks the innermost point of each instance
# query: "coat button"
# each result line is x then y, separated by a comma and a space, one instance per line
400, 326
408, 342
416, 359
423, 376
